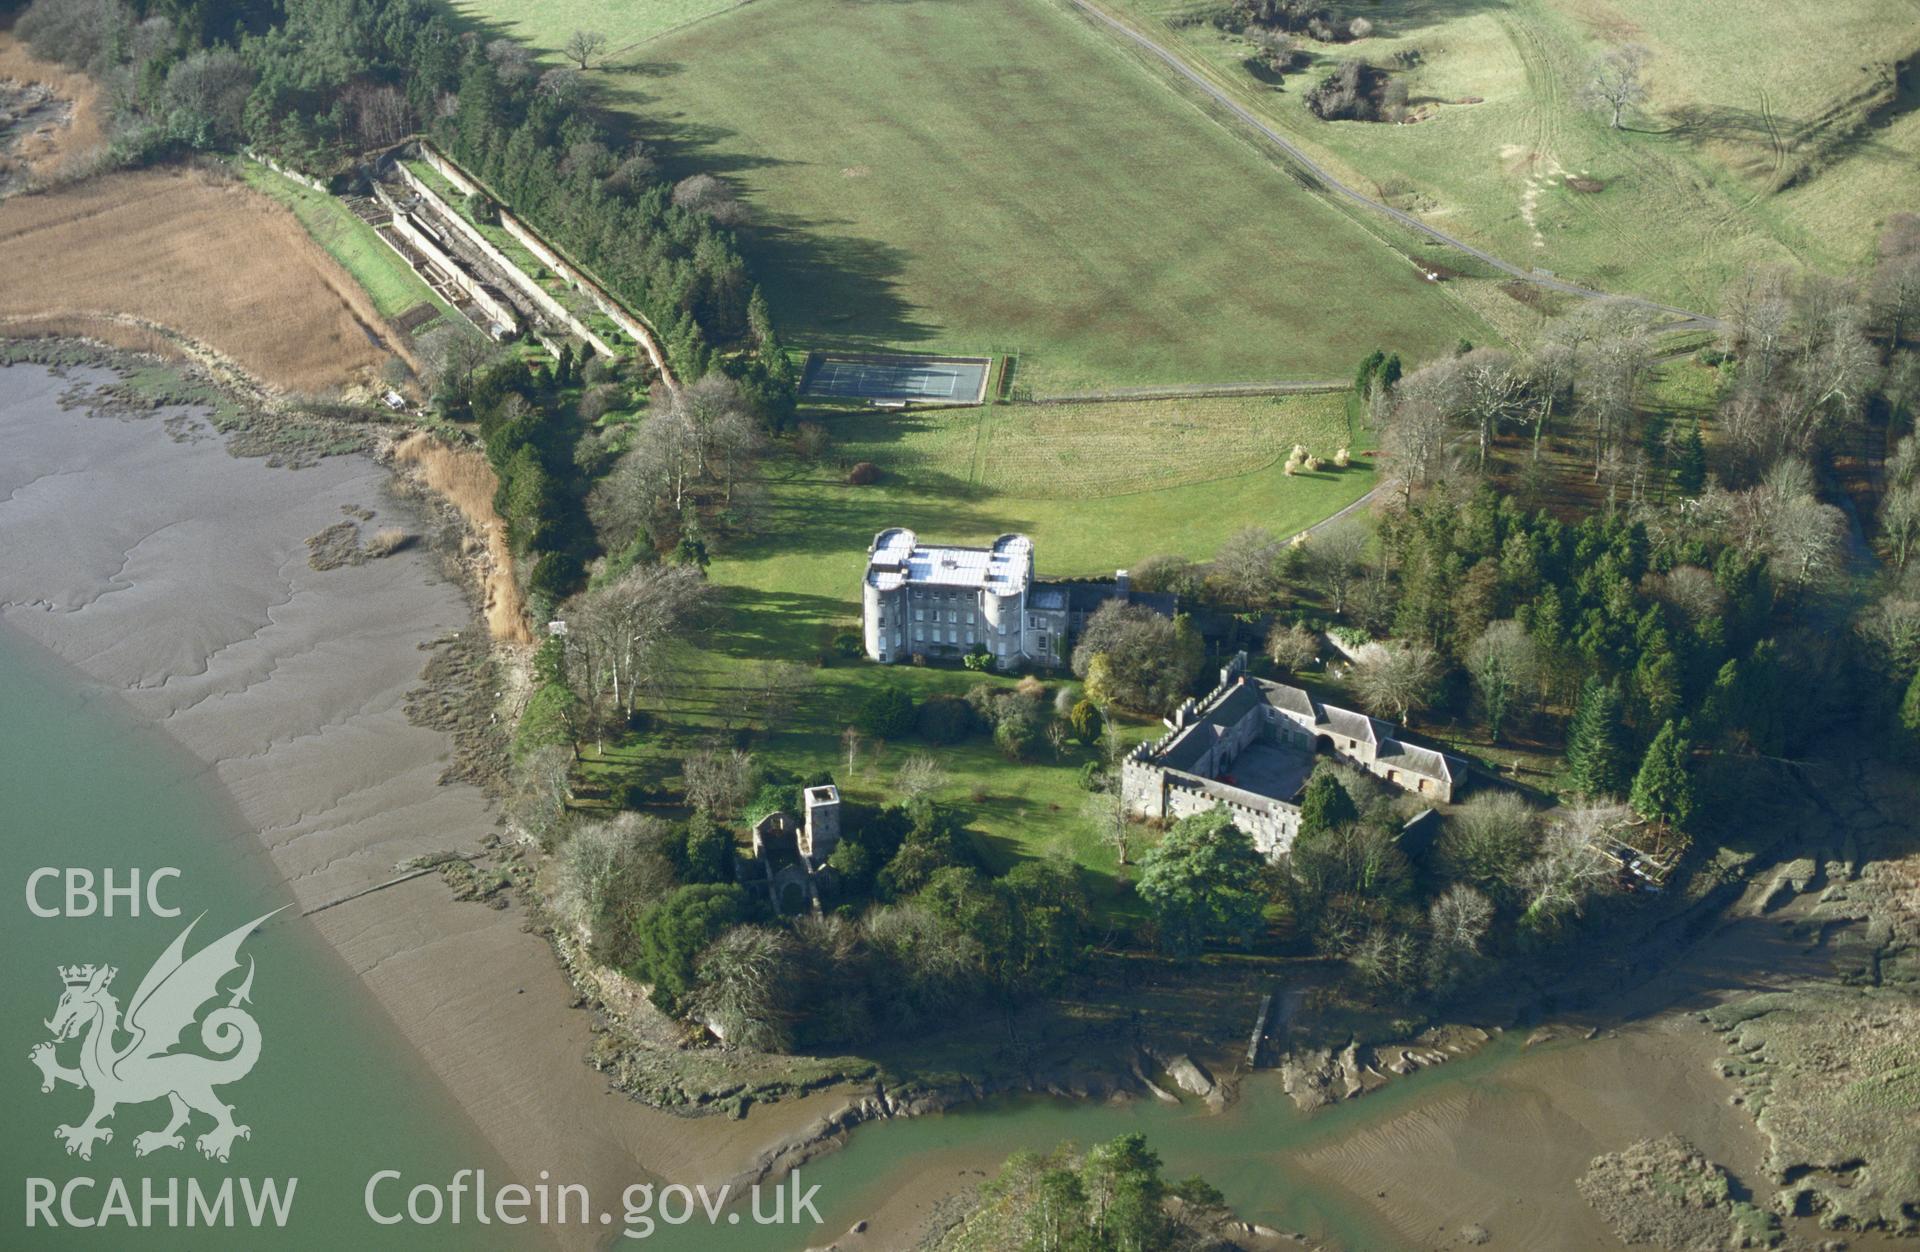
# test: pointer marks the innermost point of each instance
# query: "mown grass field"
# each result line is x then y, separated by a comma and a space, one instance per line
1746, 99
388, 280
546, 24
964, 477
999, 175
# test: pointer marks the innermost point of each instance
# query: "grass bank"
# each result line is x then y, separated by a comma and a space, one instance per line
1745, 154
387, 279
999, 175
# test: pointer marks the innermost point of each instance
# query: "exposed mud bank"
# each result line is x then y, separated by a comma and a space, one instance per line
178, 576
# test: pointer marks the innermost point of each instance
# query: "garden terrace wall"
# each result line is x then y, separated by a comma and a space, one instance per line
304, 180
541, 297
636, 327
475, 290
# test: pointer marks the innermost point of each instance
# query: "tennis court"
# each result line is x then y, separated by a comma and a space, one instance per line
898, 379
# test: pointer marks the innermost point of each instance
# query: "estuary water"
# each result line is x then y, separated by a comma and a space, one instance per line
84, 784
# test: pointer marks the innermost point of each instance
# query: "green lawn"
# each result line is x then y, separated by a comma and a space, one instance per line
546, 24
786, 594
1745, 99
387, 278
1149, 477
999, 175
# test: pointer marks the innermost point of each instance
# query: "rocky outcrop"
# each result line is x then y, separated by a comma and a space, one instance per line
1319, 1076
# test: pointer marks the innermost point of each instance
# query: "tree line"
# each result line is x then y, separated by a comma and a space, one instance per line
317, 82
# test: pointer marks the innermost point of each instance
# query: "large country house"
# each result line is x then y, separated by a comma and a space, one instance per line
933, 601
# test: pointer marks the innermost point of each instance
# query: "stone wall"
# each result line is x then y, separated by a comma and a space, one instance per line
1271, 824
494, 307
542, 299
638, 328
305, 180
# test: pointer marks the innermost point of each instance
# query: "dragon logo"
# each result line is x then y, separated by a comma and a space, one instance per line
146, 1068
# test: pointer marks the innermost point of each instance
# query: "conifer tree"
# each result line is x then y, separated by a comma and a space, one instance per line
1389, 372
1656, 685
1662, 790
1325, 806
1369, 370
759, 318
1596, 742
1690, 462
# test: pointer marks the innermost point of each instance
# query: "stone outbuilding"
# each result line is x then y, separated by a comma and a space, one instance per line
1249, 746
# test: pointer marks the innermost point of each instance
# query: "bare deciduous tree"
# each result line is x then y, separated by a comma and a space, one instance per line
562, 84
1805, 538
1617, 81
621, 637
1292, 646
703, 436
1107, 811
1807, 363
1417, 424
1397, 680
723, 437
381, 114
1488, 841
741, 988
919, 775
1900, 523
1496, 395
718, 781
1574, 861
1693, 591
512, 62
1504, 665
537, 801
583, 47
604, 864
1784, 518
1892, 627
1460, 917
650, 479
1549, 371
704, 193
1612, 373
1336, 562
1755, 311
1244, 565
1896, 276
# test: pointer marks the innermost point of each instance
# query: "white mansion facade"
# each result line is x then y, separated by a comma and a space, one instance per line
942, 601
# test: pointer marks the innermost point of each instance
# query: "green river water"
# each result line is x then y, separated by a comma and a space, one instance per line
336, 1093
